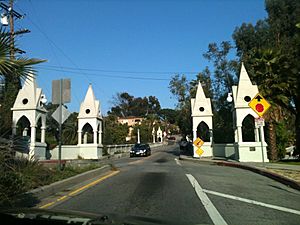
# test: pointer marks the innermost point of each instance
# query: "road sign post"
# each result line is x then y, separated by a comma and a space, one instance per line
60, 119
60, 94
260, 106
260, 123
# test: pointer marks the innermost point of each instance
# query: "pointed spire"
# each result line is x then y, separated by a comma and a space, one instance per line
90, 96
244, 89
29, 93
90, 107
244, 77
201, 102
30, 81
200, 93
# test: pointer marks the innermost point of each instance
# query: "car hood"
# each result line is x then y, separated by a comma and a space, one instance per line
76, 217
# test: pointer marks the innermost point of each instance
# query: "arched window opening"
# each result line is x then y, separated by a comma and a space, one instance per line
248, 126
203, 132
23, 127
87, 132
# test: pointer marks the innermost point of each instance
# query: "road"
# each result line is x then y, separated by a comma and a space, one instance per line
183, 192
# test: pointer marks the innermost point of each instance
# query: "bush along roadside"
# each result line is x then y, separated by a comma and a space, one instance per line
19, 175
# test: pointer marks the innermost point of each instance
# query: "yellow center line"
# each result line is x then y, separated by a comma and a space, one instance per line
79, 189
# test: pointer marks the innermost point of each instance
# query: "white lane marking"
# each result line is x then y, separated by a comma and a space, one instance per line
253, 202
208, 205
177, 162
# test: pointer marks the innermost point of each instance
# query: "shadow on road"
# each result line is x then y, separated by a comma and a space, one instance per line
22, 201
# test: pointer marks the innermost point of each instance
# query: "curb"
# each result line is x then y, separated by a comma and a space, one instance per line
284, 180
196, 160
289, 182
50, 189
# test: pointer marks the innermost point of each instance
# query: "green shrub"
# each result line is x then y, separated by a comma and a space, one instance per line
11, 184
33, 173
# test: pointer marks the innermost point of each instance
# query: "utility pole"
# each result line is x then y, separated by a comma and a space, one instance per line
12, 29
12, 14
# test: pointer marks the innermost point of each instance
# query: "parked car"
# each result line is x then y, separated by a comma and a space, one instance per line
186, 147
172, 138
140, 150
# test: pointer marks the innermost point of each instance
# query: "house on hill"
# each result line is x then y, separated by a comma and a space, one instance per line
130, 120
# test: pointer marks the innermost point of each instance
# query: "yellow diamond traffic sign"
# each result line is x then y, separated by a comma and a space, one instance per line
259, 105
198, 142
199, 151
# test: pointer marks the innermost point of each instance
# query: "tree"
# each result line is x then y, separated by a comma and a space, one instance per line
11, 71
267, 65
114, 133
224, 74
180, 88
168, 115
270, 51
127, 105
153, 105
205, 78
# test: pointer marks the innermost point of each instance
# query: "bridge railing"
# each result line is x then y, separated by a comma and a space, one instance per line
125, 148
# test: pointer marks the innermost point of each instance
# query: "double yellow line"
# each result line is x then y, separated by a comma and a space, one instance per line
73, 193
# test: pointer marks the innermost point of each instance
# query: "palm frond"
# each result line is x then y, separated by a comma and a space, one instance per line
19, 67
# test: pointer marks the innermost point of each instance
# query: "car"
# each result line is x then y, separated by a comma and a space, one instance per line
186, 147
140, 150
172, 138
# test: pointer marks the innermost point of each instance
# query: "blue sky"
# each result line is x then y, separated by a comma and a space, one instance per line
112, 39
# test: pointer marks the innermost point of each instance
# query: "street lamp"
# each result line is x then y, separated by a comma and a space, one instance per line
4, 19
43, 99
229, 97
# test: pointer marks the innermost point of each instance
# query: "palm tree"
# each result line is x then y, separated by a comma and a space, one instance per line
12, 71
267, 65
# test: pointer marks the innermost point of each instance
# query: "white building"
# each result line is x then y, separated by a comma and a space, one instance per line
29, 115
246, 150
90, 131
202, 117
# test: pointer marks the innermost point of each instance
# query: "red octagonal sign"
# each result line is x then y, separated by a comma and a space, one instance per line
259, 107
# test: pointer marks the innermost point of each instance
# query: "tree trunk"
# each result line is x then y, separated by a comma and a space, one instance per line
272, 141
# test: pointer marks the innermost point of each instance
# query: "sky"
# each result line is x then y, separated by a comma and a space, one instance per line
132, 46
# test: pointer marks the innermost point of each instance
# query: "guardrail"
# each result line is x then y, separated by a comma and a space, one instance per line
114, 149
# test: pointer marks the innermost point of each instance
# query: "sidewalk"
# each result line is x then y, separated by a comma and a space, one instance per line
286, 174
276, 166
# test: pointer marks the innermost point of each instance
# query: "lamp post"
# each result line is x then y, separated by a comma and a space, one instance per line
138, 133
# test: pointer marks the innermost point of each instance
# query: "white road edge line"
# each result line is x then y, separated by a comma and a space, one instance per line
208, 205
253, 202
177, 162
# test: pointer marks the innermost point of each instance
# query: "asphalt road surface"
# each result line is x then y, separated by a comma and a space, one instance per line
163, 188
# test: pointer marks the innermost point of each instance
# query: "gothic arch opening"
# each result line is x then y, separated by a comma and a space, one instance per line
87, 132
23, 127
248, 128
203, 132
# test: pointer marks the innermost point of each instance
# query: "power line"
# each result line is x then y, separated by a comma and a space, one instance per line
105, 75
124, 71
53, 44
